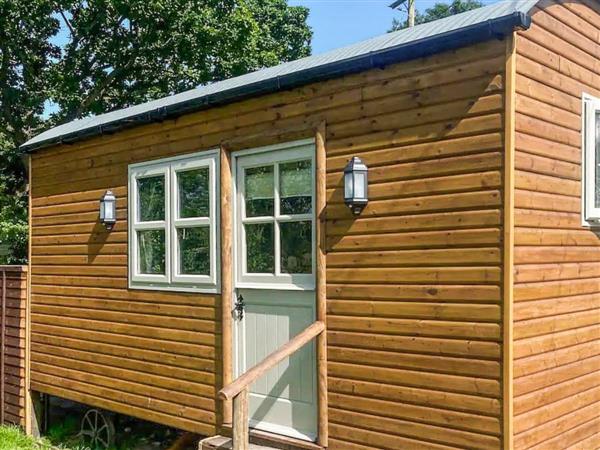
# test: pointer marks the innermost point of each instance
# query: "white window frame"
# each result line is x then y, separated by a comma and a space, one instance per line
172, 280
273, 154
590, 213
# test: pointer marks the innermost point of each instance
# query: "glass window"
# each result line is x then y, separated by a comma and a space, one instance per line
277, 222
260, 245
295, 187
151, 251
591, 162
296, 247
259, 191
151, 194
597, 163
193, 189
194, 250
173, 235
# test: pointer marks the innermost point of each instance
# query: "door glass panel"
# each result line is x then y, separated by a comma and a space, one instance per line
193, 188
260, 248
259, 188
151, 245
295, 185
151, 195
296, 247
597, 164
194, 250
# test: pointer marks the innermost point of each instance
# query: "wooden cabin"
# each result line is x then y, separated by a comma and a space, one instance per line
459, 309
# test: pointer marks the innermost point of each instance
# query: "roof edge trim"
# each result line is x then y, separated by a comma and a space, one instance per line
463, 37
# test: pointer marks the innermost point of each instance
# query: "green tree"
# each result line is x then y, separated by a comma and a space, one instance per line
122, 52
26, 54
438, 11
89, 57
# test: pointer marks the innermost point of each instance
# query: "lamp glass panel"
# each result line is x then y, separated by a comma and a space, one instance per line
359, 184
348, 185
109, 209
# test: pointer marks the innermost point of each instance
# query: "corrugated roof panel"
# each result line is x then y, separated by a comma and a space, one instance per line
333, 63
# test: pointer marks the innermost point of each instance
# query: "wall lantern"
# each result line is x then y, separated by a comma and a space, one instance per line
356, 183
108, 209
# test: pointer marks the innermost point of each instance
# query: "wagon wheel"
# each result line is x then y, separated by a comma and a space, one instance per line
98, 429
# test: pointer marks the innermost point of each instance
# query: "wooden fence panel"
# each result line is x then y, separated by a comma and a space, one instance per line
13, 308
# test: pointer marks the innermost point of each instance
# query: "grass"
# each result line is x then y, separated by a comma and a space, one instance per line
12, 438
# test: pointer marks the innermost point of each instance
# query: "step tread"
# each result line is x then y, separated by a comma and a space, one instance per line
225, 443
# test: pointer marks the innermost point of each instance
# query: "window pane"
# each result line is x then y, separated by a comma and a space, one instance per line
597, 168
151, 245
259, 187
194, 251
295, 186
151, 198
193, 186
296, 247
260, 249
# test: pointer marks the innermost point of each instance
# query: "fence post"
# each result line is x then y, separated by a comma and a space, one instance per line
2, 349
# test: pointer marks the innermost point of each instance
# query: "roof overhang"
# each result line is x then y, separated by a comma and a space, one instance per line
495, 28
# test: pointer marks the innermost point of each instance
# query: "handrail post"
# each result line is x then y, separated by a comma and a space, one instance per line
240, 421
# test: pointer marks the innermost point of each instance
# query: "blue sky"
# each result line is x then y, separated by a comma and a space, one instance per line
336, 23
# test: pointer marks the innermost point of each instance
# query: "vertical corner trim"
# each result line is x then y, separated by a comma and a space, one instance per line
508, 240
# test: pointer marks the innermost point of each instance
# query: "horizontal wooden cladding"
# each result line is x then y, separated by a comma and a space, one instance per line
274, 109
14, 303
557, 272
413, 222
425, 435
426, 327
443, 417
437, 364
416, 344
423, 310
112, 400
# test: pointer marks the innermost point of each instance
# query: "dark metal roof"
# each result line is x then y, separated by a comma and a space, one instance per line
489, 22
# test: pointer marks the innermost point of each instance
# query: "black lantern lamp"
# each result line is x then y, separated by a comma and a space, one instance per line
356, 194
108, 209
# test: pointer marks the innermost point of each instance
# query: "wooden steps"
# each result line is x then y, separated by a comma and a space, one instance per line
259, 440
225, 443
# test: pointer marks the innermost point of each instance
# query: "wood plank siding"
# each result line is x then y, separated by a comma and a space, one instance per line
557, 260
414, 298
13, 299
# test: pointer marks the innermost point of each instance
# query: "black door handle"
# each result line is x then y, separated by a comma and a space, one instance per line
239, 307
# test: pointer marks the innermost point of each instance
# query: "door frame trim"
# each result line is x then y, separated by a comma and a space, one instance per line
237, 284
318, 130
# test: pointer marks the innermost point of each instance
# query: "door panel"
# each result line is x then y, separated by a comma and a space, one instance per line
284, 399
274, 260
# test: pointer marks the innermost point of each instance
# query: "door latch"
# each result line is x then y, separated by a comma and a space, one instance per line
239, 307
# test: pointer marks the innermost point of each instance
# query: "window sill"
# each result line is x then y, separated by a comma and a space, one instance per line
175, 288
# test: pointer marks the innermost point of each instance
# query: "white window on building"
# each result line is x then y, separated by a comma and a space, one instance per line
173, 224
591, 161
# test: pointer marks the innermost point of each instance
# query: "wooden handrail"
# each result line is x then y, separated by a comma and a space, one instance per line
253, 374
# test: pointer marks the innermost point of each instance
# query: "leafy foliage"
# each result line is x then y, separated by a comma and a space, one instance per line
26, 54
87, 58
438, 11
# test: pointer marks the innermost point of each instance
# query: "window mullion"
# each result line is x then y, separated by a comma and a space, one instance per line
276, 231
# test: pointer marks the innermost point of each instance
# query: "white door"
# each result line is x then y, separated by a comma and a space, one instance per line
275, 267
